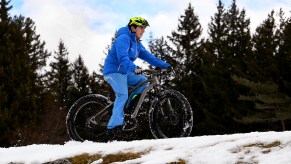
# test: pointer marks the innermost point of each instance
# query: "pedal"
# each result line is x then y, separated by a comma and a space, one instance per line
129, 123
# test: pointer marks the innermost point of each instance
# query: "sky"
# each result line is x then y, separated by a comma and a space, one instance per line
256, 147
87, 26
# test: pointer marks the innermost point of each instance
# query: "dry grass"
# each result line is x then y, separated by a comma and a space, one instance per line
245, 151
265, 146
180, 161
262, 145
110, 158
85, 158
120, 157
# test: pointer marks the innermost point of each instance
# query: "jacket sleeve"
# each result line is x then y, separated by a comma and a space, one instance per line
151, 59
122, 48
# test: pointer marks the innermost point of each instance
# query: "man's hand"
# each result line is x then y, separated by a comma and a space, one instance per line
138, 71
158, 68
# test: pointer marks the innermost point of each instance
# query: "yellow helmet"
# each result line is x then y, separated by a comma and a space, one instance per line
138, 21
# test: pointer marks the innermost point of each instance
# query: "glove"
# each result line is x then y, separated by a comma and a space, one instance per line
166, 65
138, 70
158, 68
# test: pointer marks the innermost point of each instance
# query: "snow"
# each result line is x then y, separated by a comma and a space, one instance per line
255, 147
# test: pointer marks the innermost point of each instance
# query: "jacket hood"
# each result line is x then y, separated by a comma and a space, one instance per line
125, 30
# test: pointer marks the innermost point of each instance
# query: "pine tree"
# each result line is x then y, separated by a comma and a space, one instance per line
263, 66
236, 62
80, 80
217, 33
5, 21
238, 40
187, 43
273, 105
214, 97
226, 52
186, 53
22, 55
60, 76
207, 98
283, 58
94, 82
4, 12
260, 65
160, 48
188, 59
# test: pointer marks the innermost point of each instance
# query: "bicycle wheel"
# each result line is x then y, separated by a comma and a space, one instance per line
87, 119
171, 116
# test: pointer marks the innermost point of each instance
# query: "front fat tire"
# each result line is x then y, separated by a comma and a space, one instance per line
160, 125
81, 110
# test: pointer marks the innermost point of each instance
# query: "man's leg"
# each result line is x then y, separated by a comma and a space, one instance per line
133, 80
118, 83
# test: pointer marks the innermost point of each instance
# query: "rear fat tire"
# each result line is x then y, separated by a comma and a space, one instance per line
89, 104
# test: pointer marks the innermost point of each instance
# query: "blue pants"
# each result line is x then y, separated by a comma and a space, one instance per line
120, 83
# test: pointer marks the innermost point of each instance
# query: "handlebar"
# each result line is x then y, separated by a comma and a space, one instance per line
149, 71
158, 71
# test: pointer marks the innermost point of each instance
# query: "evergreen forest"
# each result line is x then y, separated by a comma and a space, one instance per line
236, 81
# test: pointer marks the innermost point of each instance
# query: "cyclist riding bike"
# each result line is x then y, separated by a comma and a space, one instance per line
121, 72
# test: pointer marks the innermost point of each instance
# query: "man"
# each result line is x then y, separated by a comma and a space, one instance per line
120, 71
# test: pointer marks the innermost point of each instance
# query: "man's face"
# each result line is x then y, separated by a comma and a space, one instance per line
139, 31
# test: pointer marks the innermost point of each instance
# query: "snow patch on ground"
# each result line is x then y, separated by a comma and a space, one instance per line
256, 147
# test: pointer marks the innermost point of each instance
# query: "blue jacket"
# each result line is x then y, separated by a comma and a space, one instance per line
125, 50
